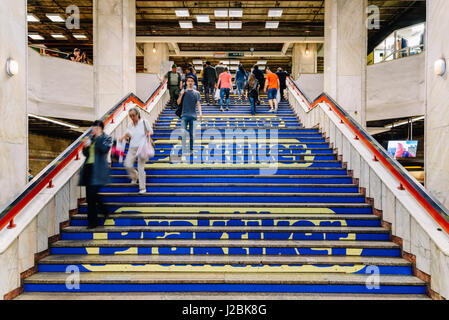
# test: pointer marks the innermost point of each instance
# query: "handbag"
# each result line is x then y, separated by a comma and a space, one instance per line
217, 95
178, 111
146, 149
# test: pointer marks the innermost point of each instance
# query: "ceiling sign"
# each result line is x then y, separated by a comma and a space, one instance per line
220, 54
235, 54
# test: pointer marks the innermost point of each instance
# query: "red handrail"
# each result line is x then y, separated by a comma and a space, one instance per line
403, 183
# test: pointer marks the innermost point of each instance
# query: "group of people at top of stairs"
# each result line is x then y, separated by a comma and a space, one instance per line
217, 85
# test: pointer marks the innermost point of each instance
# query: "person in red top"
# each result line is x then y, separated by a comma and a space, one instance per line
224, 83
272, 84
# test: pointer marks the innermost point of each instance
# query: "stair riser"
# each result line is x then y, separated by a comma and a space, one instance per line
239, 180
350, 269
125, 209
234, 189
227, 235
228, 251
287, 288
238, 222
229, 199
230, 171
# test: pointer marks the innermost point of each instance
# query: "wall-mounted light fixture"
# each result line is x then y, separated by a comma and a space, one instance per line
439, 67
154, 47
12, 67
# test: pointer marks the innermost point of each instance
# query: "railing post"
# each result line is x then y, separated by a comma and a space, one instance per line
50, 184
11, 224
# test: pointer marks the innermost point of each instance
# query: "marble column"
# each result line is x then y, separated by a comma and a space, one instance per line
13, 99
114, 29
437, 108
154, 61
345, 55
304, 59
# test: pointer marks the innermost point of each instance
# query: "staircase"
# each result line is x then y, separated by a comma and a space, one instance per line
208, 230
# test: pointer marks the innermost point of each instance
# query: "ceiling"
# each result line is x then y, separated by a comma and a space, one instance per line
157, 18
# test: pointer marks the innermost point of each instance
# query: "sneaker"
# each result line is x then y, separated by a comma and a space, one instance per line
143, 191
227, 108
133, 181
222, 110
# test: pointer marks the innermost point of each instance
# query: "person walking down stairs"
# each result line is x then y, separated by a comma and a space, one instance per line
224, 83
174, 85
95, 172
189, 100
138, 131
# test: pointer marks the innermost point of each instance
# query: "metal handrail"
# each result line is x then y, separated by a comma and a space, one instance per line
407, 49
434, 207
44, 179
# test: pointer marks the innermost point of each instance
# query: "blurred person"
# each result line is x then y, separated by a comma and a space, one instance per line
260, 78
95, 172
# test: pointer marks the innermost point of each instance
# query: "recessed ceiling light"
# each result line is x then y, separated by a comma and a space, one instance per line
233, 67
58, 36
225, 62
221, 24
235, 13
55, 17
203, 18
198, 67
272, 24
182, 12
275, 12
221, 13
235, 24
186, 24
32, 18
262, 62
235, 62
80, 36
35, 36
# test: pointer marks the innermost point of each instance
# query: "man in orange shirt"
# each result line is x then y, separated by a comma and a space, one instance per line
272, 84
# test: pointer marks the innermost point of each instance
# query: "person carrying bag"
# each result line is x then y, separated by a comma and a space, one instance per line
140, 147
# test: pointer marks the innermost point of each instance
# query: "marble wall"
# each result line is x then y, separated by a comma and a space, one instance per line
437, 109
303, 63
345, 54
114, 28
13, 99
396, 89
154, 61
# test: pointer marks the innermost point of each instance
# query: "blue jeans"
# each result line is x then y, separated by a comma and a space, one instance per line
240, 85
190, 122
223, 92
253, 105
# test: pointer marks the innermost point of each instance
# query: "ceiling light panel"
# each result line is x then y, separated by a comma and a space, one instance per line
221, 13
271, 24
182, 12
35, 36
235, 25
221, 25
80, 36
275, 12
202, 18
186, 24
58, 36
235, 13
55, 17
32, 18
